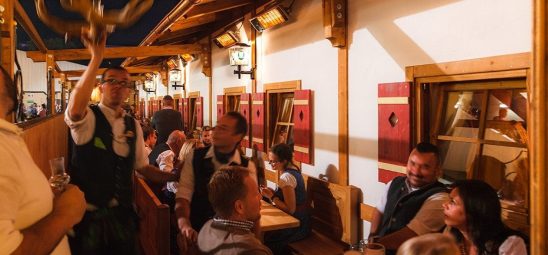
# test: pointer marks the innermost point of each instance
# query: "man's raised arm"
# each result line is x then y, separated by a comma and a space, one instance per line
82, 91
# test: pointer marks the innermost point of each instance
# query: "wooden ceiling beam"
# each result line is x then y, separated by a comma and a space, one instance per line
193, 22
131, 70
117, 52
23, 19
213, 7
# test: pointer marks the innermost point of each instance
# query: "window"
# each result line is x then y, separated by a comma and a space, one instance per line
281, 118
478, 119
232, 98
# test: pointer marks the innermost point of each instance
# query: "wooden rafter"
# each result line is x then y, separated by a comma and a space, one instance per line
178, 11
218, 6
24, 20
193, 22
131, 70
117, 52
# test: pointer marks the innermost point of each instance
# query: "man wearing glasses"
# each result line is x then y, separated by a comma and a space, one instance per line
107, 146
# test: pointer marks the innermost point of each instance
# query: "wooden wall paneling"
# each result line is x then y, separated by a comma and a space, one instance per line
303, 130
258, 121
154, 220
394, 129
538, 116
245, 102
46, 140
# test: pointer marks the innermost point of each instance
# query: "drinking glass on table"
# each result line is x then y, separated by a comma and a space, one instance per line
59, 178
374, 249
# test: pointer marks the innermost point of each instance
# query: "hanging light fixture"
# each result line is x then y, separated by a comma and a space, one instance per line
270, 18
150, 83
176, 76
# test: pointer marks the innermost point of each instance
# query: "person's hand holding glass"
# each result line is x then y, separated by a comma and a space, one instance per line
59, 178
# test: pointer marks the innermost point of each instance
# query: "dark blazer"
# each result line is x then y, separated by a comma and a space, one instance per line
166, 121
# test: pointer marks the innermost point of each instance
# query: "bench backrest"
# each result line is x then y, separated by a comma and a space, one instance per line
153, 220
334, 210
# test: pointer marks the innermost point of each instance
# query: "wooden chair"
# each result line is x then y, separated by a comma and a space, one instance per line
153, 220
334, 218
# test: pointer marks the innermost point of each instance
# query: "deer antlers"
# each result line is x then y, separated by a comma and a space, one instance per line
92, 11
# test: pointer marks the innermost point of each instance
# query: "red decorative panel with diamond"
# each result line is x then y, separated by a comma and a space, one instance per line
302, 129
220, 106
258, 120
245, 100
394, 129
186, 120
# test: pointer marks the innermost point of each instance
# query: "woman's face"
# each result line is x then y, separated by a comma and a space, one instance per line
275, 162
455, 215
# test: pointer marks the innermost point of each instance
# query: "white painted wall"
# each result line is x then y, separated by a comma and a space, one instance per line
298, 51
388, 35
197, 81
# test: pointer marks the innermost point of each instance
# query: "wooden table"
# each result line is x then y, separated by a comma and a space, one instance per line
273, 218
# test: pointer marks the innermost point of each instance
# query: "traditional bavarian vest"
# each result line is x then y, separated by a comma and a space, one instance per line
300, 191
200, 208
401, 207
98, 171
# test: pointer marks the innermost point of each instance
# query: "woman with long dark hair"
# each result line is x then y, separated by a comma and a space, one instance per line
290, 197
473, 215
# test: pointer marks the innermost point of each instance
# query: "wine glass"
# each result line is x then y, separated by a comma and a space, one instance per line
59, 178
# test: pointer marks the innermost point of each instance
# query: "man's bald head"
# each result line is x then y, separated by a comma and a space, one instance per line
176, 140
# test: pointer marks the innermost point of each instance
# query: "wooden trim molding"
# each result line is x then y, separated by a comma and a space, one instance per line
234, 90
480, 65
538, 108
292, 85
343, 137
193, 94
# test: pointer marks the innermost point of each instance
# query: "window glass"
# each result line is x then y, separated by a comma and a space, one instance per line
462, 114
506, 116
458, 158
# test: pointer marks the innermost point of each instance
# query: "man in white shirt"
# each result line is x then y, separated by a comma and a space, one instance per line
192, 206
108, 146
31, 220
168, 162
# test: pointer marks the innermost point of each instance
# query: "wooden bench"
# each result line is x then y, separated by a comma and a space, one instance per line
153, 220
334, 218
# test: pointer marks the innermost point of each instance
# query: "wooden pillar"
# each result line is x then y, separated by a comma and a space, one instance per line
537, 131
7, 34
63, 92
50, 69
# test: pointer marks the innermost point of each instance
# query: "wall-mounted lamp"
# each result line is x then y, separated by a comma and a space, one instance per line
176, 76
150, 83
226, 39
269, 18
240, 55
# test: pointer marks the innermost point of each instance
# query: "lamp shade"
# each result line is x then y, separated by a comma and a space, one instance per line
175, 75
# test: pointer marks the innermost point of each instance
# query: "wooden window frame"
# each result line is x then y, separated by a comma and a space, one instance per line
192, 97
276, 88
490, 68
232, 92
